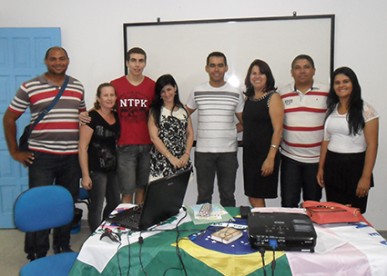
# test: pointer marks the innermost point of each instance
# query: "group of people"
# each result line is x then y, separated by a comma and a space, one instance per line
330, 138
309, 135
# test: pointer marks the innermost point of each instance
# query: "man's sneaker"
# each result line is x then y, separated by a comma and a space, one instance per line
31, 256
67, 249
57, 249
62, 249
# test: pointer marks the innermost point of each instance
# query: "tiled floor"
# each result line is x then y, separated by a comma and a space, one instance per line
12, 256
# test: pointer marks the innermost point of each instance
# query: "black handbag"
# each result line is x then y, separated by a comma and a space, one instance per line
23, 140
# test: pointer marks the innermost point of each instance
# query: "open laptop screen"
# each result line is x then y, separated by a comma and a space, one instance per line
164, 198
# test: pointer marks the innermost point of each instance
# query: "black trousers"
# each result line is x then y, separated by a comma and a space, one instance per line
342, 172
49, 169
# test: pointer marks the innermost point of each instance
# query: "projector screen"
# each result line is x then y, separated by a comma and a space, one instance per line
180, 48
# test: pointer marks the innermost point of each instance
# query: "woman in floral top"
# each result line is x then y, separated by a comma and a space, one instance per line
170, 129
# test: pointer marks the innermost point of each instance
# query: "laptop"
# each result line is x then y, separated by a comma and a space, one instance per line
163, 199
287, 231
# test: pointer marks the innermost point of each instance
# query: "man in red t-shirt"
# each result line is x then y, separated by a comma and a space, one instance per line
135, 93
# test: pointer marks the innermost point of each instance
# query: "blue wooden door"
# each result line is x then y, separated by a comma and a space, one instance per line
21, 58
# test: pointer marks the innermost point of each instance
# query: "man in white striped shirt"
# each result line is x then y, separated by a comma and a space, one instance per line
305, 107
216, 147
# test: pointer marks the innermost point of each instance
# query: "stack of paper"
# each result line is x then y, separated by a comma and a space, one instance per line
218, 214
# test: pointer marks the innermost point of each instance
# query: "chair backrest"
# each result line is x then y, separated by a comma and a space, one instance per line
83, 194
43, 207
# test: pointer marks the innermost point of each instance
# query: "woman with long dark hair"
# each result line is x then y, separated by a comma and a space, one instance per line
349, 148
170, 130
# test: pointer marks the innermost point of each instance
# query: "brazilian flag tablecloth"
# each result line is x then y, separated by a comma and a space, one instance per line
159, 254
342, 249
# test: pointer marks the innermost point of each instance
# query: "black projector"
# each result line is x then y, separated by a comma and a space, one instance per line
281, 231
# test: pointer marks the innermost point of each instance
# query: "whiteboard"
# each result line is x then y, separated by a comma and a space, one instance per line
180, 48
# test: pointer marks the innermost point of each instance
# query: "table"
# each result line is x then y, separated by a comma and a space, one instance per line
342, 249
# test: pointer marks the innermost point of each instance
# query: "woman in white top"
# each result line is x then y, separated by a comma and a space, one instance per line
349, 147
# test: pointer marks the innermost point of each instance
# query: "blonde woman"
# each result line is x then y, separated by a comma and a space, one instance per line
97, 155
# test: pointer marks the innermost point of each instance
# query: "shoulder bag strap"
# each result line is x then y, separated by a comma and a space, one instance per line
52, 104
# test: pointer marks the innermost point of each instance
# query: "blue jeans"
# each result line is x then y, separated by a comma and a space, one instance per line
133, 167
225, 166
297, 176
48, 169
104, 184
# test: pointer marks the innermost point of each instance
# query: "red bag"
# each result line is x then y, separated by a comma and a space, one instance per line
332, 212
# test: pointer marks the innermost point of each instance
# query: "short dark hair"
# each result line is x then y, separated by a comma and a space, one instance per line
135, 50
55, 48
303, 56
216, 54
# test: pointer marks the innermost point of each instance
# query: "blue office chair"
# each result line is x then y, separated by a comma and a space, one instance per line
83, 197
43, 208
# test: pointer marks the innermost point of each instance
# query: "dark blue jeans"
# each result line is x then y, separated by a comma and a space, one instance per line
49, 169
297, 176
225, 166
104, 185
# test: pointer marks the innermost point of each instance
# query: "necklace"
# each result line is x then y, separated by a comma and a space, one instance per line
257, 99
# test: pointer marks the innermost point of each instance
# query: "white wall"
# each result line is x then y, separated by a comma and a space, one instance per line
92, 32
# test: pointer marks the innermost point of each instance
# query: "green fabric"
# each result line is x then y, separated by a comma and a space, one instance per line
159, 257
